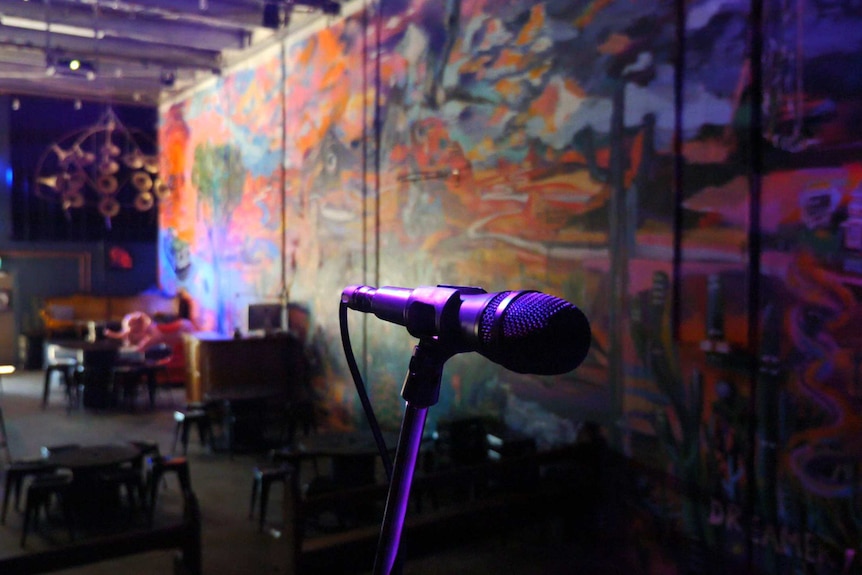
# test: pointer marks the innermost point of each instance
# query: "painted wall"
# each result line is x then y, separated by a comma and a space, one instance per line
615, 154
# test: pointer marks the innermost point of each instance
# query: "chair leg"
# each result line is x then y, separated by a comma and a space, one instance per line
67, 516
153, 483
7, 491
202, 431
177, 430
264, 499
255, 485
47, 389
25, 528
185, 437
31, 515
185, 480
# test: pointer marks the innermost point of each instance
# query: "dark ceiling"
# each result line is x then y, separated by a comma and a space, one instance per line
137, 52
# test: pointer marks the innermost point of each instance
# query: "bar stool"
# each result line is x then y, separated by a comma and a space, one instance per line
264, 477
39, 494
128, 478
16, 472
157, 467
66, 369
148, 448
194, 414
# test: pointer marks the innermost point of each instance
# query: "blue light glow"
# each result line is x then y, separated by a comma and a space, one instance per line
9, 176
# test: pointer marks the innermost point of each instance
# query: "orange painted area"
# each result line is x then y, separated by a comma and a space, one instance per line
533, 28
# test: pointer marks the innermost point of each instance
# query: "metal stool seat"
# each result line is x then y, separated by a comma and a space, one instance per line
157, 467
264, 477
67, 370
16, 472
39, 494
129, 478
184, 420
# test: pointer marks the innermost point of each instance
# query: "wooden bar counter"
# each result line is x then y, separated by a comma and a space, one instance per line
219, 363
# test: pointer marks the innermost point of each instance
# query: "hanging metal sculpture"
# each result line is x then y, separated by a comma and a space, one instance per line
106, 166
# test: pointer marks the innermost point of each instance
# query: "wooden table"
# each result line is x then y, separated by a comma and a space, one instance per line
221, 364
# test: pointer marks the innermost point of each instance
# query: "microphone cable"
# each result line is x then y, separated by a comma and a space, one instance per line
361, 391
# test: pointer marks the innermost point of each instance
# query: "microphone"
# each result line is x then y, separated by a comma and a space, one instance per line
524, 331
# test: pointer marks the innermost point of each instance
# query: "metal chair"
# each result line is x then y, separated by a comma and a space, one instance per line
67, 369
39, 494
157, 467
263, 478
16, 471
196, 415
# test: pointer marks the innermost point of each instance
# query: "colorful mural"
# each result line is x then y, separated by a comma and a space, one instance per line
599, 151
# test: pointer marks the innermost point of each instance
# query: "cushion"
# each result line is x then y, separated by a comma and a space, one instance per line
61, 312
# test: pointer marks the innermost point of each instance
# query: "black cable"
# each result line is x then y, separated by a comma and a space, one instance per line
363, 395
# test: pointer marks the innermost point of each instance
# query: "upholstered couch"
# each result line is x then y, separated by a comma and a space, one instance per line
70, 313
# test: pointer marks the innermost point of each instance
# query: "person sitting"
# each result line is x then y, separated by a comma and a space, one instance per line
137, 331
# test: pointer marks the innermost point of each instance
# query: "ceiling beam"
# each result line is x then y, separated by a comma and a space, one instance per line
142, 27
112, 49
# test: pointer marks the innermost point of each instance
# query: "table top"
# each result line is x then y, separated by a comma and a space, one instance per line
93, 456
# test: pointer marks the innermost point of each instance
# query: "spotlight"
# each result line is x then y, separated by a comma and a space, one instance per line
75, 66
168, 78
274, 16
330, 8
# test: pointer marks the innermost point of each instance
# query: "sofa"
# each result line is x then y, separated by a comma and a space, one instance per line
69, 314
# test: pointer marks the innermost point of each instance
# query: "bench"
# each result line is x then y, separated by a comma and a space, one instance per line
494, 508
184, 536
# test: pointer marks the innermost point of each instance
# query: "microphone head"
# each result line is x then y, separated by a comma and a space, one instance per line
533, 332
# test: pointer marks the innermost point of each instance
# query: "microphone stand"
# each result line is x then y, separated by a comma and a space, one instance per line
421, 390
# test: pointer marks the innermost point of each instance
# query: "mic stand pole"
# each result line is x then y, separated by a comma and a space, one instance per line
421, 390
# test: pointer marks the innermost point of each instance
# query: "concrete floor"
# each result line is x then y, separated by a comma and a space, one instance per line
231, 543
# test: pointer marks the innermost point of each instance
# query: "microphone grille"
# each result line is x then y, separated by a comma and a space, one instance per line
530, 312
486, 324
535, 333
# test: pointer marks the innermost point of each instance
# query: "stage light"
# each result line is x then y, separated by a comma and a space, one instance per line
274, 16
168, 78
330, 8
73, 66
